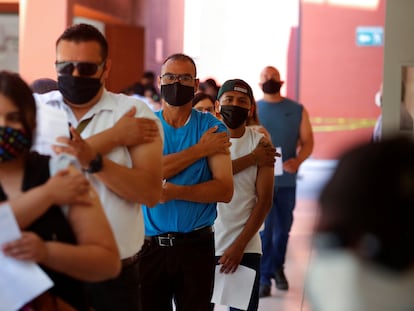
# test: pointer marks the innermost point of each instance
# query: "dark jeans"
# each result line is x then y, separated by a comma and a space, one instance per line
183, 273
120, 293
251, 260
276, 232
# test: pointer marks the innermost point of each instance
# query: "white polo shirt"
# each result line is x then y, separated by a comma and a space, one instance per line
124, 217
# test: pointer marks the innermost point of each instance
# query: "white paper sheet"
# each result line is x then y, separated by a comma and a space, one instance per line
279, 162
20, 281
233, 289
51, 123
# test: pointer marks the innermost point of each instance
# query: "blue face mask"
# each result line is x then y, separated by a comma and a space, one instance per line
12, 143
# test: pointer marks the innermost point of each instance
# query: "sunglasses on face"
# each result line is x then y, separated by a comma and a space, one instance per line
83, 68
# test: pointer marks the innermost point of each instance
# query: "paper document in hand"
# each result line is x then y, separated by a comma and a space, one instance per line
279, 162
20, 281
233, 289
51, 124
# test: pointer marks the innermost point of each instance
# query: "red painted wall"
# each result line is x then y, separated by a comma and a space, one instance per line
338, 79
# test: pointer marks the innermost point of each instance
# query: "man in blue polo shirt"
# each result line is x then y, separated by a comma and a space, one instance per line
177, 259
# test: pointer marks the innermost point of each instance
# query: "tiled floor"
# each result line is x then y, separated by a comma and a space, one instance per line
312, 176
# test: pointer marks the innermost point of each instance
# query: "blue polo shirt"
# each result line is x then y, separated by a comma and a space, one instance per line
179, 215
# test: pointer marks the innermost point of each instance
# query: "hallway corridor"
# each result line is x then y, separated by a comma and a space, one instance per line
312, 176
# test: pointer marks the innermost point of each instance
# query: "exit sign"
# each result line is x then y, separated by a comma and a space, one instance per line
370, 36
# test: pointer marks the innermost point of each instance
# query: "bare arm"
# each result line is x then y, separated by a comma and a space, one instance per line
94, 258
264, 187
209, 144
127, 131
305, 143
218, 189
263, 155
262, 129
32, 204
140, 183
244, 162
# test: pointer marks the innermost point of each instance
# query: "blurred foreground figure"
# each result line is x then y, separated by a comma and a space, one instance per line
364, 234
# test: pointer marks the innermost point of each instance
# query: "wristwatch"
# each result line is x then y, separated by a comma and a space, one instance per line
95, 165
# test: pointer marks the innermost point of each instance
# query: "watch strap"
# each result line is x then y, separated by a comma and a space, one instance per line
95, 165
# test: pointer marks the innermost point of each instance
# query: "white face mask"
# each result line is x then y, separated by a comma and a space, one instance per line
378, 99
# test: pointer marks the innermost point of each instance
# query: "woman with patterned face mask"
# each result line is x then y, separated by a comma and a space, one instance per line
72, 243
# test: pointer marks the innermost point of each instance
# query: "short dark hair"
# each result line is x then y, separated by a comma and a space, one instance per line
149, 75
182, 57
368, 204
44, 85
18, 91
85, 33
199, 96
211, 82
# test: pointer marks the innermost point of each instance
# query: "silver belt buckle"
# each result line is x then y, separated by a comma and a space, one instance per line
165, 240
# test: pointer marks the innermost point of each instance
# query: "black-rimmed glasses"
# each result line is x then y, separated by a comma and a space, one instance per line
84, 68
169, 78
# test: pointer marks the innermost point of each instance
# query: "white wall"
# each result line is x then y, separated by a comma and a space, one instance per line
238, 38
9, 42
398, 51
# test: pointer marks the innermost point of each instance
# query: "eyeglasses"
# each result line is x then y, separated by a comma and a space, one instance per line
169, 78
205, 109
84, 68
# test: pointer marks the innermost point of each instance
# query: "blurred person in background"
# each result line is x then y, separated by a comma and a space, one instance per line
289, 126
203, 102
43, 85
254, 122
209, 86
363, 236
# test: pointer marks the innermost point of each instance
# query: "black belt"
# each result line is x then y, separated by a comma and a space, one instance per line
126, 262
175, 238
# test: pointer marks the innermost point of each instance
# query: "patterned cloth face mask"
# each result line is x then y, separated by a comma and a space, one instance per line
12, 143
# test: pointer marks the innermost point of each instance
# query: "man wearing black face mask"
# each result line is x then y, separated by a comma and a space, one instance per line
122, 153
288, 124
177, 259
238, 222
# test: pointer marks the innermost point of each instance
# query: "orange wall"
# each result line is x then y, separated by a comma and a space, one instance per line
42, 21
36, 46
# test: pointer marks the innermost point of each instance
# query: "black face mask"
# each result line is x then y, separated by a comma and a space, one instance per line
78, 90
271, 86
234, 116
177, 94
